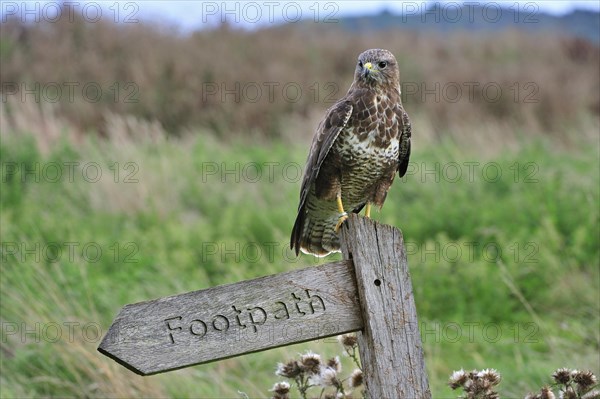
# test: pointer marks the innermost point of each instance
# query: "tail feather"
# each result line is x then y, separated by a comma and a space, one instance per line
297, 231
314, 232
314, 236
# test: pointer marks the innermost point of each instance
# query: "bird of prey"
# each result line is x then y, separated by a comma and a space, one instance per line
359, 146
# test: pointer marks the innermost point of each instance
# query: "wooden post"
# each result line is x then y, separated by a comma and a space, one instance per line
390, 344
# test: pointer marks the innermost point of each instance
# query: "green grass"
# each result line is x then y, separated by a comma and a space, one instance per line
505, 272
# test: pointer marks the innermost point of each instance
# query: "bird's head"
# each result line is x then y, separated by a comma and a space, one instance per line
377, 67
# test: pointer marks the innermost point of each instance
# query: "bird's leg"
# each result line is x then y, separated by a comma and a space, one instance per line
368, 210
343, 214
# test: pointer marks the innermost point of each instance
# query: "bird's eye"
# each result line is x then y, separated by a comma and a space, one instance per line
382, 64
360, 64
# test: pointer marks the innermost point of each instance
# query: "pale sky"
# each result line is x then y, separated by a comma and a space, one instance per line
188, 15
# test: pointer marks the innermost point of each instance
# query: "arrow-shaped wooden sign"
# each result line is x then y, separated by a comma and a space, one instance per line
230, 320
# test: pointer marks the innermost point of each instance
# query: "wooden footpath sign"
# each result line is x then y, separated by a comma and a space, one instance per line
231, 320
370, 292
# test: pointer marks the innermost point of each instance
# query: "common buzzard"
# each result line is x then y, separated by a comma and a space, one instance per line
357, 149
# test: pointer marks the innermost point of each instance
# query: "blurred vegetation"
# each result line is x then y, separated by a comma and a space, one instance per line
528, 240
532, 272
537, 82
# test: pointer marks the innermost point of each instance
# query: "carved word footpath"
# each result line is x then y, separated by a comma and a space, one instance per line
243, 317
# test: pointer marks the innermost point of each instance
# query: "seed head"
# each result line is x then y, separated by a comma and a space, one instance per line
356, 378
348, 340
335, 364
562, 376
490, 375
457, 379
311, 363
289, 370
327, 378
585, 379
281, 390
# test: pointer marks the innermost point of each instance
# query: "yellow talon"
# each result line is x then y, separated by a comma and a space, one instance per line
341, 221
343, 214
368, 210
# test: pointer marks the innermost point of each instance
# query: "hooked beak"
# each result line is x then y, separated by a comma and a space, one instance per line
368, 68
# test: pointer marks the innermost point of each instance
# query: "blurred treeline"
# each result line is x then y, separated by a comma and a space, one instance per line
534, 83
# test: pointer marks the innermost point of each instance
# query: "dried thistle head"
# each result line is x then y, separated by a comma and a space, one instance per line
334, 363
490, 375
290, 369
348, 340
585, 379
458, 379
356, 378
562, 376
476, 384
311, 363
281, 390
327, 378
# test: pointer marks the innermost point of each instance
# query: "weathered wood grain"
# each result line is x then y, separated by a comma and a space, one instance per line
389, 344
231, 320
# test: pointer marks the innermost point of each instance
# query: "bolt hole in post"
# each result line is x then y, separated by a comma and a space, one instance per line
377, 282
